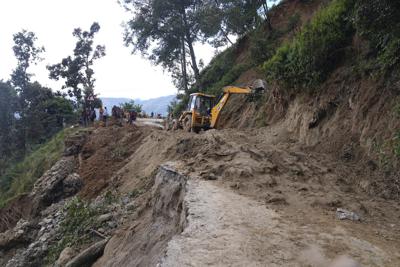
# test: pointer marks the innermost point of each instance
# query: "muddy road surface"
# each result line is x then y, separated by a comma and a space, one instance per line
258, 198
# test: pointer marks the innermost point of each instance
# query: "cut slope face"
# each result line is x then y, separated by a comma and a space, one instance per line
144, 242
104, 153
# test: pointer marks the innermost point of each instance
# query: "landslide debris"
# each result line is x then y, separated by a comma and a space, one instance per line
104, 153
261, 168
244, 193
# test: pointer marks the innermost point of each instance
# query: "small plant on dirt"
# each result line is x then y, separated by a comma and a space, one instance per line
120, 152
293, 22
396, 110
75, 229
135, 193
396, 144
110, 197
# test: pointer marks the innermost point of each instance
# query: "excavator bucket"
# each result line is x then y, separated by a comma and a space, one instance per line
259, 86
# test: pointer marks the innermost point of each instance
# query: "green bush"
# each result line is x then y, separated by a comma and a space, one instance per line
315, 51
75, 229
263, 44
293, 22
228, 78
378, 21
217, 68
20, 177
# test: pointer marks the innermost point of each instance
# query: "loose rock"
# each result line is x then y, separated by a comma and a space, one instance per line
343, 214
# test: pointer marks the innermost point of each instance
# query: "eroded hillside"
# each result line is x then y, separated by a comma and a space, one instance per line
300, 176
246, 197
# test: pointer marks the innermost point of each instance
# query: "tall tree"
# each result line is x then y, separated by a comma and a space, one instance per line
77, 70
45, 114
27, 53
164, 31
220, 18
8, 101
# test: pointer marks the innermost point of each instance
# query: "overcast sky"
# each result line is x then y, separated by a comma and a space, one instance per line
118, 74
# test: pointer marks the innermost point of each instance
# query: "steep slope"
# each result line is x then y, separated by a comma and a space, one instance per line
344, 103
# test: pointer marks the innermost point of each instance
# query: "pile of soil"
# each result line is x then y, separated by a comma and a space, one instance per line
104, 153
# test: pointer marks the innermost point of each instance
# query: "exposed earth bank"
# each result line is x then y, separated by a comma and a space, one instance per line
254, 197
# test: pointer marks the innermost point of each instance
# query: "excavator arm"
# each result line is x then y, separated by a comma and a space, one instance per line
216, 110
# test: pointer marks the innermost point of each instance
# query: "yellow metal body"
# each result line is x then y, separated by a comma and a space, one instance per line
201, 112
216, 110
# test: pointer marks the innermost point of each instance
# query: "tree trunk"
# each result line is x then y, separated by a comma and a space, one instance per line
222, 29
189, 42
183, 66
267, 19
226, 36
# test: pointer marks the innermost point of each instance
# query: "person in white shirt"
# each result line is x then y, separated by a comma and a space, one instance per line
105, 115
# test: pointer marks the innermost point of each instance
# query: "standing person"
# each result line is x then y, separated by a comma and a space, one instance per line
105, 115
101, 112
87, 116
133, 116
130, 117
83, 117
92, 116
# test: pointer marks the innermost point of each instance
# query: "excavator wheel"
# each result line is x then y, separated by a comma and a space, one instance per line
187, 123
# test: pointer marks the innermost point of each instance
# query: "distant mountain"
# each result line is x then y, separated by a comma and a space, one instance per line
157, 105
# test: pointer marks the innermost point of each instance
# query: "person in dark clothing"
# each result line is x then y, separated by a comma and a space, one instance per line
92, 116
84, 118
132, 116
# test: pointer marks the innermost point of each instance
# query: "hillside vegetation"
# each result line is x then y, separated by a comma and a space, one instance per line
20, 177
303, 57
333, 74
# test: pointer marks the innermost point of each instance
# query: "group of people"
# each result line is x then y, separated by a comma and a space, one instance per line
88, 115
119, 114
155, 116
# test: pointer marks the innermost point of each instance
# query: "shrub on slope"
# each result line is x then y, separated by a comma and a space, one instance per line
315, 51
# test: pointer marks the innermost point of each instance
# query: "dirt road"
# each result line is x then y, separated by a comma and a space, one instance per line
227, 229
255, 198
157, 123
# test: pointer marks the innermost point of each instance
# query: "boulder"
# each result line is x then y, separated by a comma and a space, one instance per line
72, 184
49, 188
66, 255
21, 234
104, 217
74, 143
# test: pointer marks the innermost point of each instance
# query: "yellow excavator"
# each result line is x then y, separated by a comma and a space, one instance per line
203, 111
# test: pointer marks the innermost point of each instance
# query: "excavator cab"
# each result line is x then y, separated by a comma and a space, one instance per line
203, 111
198, 112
